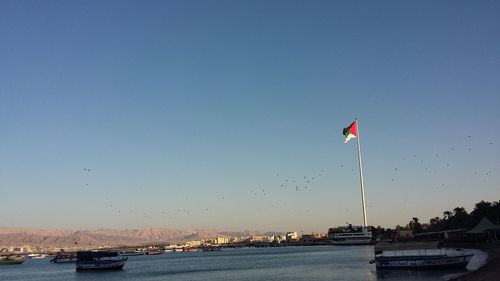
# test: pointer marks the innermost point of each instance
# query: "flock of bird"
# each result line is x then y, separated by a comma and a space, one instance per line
435, 166
296, 184
305, 183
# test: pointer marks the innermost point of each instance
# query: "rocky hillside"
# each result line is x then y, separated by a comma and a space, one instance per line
104, 237
98, 237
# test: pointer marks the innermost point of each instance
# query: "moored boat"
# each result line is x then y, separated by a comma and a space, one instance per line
189, 249
133, 253
423, 255
154, 252
99, 260
350, 235
37, 256
9, 260
64, 257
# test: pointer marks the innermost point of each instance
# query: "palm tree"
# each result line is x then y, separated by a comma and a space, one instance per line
434, 221
447, 215
415, 225
435, 224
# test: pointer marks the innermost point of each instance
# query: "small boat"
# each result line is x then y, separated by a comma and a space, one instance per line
154, 252
9, 260
133, 253
189, 249
422, 255
178, 249
99, 260
37, 256
64, 257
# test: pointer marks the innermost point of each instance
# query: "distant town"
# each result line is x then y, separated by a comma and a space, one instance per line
481, 224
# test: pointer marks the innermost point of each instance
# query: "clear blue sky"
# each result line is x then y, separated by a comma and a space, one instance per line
192, 114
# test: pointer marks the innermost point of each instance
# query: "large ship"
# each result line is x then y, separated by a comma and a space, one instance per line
350, 235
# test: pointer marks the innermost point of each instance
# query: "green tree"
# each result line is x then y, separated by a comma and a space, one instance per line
447, 215
415, 225
460, 218
496, 212
483, 209
434, 222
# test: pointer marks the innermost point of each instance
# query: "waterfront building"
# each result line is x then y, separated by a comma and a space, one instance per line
320, 235
238, 239
307, 238
260, 239
278, 238
194, 243
291, 236
221, 240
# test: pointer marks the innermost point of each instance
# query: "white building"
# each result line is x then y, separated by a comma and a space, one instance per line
292, 236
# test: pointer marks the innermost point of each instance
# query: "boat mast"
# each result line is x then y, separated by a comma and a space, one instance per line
365, 224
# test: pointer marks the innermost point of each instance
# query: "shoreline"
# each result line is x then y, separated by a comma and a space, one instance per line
489, 271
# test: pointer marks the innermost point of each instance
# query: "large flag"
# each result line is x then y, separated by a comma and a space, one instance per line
351, 131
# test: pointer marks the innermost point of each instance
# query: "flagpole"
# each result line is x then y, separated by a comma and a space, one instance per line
361, 174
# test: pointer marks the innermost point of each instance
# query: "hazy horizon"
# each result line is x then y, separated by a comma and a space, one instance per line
228, 115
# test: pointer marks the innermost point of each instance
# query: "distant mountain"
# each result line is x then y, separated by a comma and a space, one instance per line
106, 237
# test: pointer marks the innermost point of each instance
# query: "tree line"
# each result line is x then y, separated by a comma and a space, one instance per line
454, 219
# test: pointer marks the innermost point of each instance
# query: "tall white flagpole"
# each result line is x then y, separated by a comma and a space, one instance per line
361, 174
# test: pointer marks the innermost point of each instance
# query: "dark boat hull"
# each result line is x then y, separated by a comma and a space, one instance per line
427, 267
10, 262
101, 265
423, 262
118, 267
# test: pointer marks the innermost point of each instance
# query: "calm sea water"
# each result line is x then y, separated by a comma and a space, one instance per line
319, 263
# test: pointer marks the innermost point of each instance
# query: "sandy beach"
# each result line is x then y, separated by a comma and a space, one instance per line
488, 272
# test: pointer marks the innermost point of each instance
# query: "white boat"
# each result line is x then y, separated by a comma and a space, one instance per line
133, 253
37, 256
423, 255
350, 235
154, 252
99, 260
